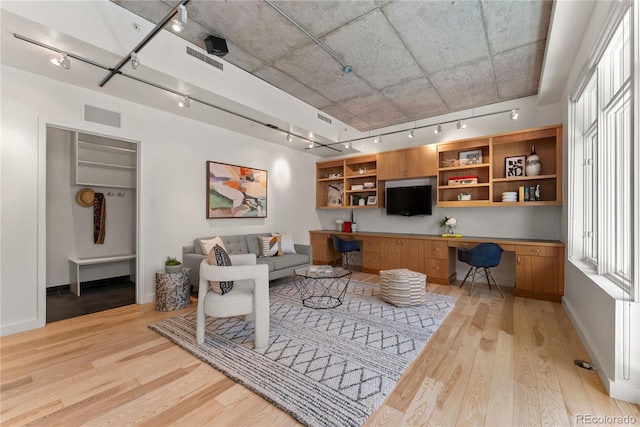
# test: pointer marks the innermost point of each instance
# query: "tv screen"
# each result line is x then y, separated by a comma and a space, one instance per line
409, 201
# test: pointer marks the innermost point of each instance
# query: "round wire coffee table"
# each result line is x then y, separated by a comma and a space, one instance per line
321, 286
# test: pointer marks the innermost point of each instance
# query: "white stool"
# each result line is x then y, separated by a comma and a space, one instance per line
403, 287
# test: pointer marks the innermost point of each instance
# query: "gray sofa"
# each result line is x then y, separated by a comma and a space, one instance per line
279, 266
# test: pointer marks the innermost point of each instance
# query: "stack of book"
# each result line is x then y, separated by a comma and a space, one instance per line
529, 193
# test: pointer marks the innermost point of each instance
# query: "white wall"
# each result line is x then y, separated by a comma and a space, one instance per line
70, 226
173, 152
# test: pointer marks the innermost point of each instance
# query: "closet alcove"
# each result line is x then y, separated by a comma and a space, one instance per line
83, 276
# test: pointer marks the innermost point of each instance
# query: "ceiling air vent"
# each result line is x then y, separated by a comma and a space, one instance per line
324, 118
204, 58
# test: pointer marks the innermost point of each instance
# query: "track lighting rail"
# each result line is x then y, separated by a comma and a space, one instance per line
167, 89
437, 125
143, 42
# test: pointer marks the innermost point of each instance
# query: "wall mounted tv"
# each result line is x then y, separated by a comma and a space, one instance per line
409, 201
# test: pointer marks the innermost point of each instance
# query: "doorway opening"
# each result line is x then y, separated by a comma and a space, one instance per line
91, 222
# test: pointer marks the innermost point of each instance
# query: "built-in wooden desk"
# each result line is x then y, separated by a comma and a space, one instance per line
539, 263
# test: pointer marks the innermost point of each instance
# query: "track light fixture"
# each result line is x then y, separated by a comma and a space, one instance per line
184, 102
438, 128
312, 144
179, 23
514, 114
411, 135
62, 62
134, 60
347, 144
289, 137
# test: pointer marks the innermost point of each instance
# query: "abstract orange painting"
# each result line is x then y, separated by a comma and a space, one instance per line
236, 191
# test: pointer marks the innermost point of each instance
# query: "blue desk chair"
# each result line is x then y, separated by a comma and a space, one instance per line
485, 256
345, 249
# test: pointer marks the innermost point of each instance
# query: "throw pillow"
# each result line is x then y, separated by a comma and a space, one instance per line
218, 256
286, 243
270, 246
207, 245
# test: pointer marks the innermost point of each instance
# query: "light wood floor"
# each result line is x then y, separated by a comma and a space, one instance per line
494, 361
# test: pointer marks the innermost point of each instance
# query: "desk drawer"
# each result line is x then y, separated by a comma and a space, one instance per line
436, 249
371, 261
436, 268
371, 245
535, 250
462, 244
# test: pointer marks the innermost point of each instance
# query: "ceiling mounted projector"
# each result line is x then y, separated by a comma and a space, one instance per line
216, 46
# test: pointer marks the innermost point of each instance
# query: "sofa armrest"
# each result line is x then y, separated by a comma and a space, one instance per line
306, 250
192, 261
188, 249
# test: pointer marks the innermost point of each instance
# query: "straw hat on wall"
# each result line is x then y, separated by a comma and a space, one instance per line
84, 197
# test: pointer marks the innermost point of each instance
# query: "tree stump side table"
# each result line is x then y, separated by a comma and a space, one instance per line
173, 290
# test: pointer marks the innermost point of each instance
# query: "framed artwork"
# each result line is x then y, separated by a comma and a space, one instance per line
473, 157
335, 194
372, 200
236, 191
514, 166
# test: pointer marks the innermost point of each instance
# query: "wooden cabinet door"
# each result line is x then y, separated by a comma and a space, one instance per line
537, 277
390, 253
412, 163
412, 255
322, 247
402, 253
390, 165
420, 162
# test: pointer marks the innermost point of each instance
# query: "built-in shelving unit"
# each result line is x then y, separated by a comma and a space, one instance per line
489, 172
103, 162
475, 167
343, 183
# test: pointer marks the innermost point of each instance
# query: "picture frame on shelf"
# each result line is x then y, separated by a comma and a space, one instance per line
514, 166
473, 157
372, 200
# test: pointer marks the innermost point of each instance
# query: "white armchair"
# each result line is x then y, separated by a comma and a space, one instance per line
249, 296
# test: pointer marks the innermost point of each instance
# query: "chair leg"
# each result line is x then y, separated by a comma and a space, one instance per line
495, 283
486, 275
465, 277
473, 279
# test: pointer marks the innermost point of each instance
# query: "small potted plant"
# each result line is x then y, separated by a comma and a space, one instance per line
172, 265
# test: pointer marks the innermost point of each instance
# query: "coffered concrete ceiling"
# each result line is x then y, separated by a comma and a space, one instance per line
410, 60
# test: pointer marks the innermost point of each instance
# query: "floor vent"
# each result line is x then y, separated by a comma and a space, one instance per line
584, 365
324, 118
204, 58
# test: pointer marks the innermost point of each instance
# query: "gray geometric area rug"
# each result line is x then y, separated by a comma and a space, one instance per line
331, 367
